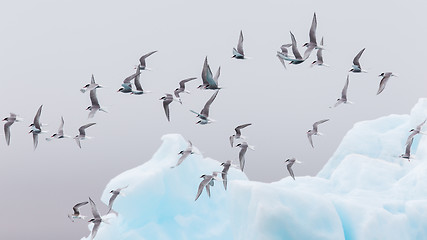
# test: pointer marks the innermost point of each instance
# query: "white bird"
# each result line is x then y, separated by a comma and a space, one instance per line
415, 131
343, 98
113, 197
312, 35
60, 133
314, 131
184, 154
238, 134
142, 64
182, 88
96, 220
206, 183
224, 172
167, 99
82, 133
208, 80
291, 162
243, 148
407, 154
94, 107
76, 212
9, 121
91, 85
239, 53
36, 127
356, 68
385, 77
204, 114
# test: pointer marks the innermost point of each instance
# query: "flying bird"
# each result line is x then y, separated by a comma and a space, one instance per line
385, 77
343, 98
76, 212
415, 131
206, 183
167, 99
36, 127
290, 162
224, 172
283, 54
204, 114
96, 220
314, 131
9, 121
90, 86
238, 134
60, 133
407, 154
208, 80
126, 85
319, 61
82, 133
182, 88
239, 54
356, 68
142, 64
243, 148
184, 154
312, 35
95, 107
113, 197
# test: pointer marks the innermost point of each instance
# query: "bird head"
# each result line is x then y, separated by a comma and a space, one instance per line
202, 176
412, 130
91, 220
381, 75
5, 119
305, 45
87, 85
89, 108
181, 152
53, 135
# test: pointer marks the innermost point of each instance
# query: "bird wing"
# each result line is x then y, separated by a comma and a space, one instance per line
7, 131
206, 71
317, 124
166, 103
205, 110
242, 157
319, 56
294, 47
218, 73
232, 140
182, 158
201, 186
307, 52
291, 172
111, 201
383, 83
95, 229
92, 79
77, 206
37, 118
142, 59
35, 140
93, 98
182, 82
78, 142
240, 44
237, 129
128, 79
312, 33
408, 147
356, 59
421, 125
309, 135
95, 212
61, 127
344, 90
82, 128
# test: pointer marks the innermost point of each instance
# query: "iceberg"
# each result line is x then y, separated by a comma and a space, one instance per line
365, 191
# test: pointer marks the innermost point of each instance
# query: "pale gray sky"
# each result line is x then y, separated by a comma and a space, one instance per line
49, 49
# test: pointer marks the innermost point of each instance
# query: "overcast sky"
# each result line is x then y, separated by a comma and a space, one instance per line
49, 49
